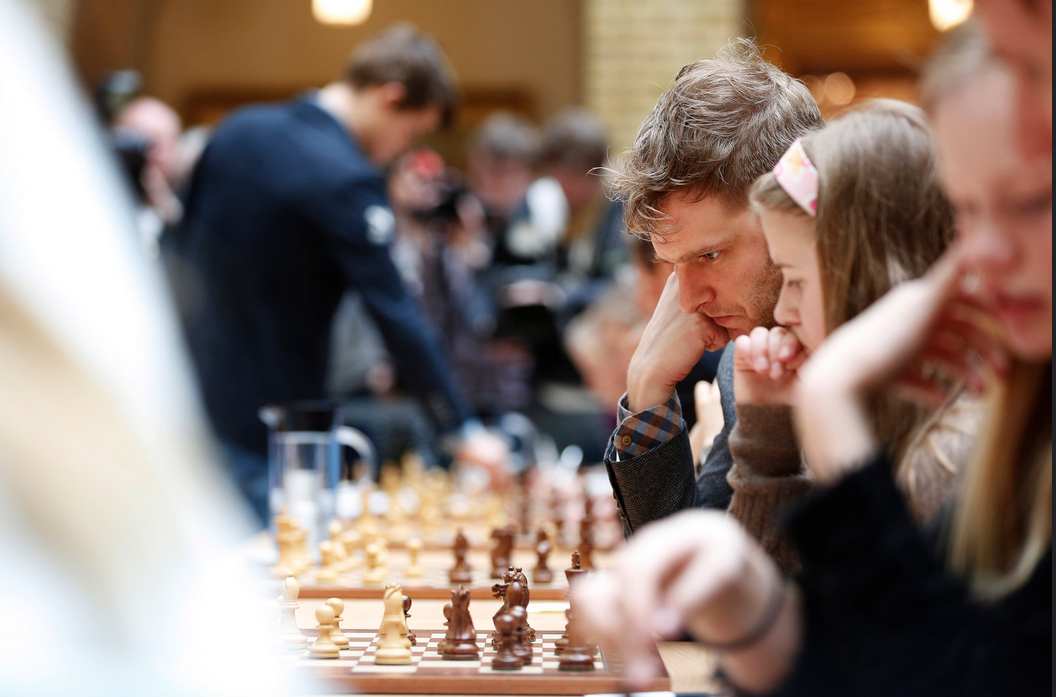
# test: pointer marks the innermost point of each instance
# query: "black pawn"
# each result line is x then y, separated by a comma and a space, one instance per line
411, 636
506, 642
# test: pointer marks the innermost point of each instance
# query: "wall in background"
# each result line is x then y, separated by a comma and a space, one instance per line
634, 49
195, 50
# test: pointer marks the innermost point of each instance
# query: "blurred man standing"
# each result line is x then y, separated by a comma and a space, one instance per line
287, 208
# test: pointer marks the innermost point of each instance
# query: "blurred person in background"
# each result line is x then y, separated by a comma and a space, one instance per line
1020, 33
287, 208
500, 170
592, 246
162, 173
442, 251
119, 534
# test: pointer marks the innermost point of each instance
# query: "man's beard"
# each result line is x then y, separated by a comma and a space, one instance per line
763, 297
758, 303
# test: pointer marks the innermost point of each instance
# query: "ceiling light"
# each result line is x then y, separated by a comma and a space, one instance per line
946, 14
344, 12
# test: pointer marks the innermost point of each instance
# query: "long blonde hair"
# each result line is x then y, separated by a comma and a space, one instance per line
882, 219
1002, 525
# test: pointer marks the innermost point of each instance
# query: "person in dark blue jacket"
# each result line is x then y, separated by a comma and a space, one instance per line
287, 208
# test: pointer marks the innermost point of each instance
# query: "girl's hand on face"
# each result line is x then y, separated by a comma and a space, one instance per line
765, 366
912, 341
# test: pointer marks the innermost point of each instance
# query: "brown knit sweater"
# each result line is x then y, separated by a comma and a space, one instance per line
768, 470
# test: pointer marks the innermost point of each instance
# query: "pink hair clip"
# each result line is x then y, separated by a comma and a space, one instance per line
798, 177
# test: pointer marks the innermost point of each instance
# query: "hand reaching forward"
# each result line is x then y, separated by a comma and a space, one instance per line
671, 345
700, 572
765, 365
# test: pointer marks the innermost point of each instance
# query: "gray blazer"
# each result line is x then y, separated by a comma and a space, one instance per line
661, 482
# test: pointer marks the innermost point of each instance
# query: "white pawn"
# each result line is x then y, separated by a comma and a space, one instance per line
336, 634
375, 573
327, 574
291, 635
338, 545
393, 648
414, 548
351, 540
324, 646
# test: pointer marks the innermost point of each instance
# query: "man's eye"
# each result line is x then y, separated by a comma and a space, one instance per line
710, 256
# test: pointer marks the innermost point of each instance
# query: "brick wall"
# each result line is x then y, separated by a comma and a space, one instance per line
634, 48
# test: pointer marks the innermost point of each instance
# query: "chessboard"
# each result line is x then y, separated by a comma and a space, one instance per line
429, 673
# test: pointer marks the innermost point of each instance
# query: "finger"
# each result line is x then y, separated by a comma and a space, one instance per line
789, 346
638, 607
775, 339
701, 391
979, 338
709, 572
956, 364
915, 388
760, 350
742, 355
597, 598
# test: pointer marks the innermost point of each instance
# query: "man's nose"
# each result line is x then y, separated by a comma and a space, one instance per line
693, 289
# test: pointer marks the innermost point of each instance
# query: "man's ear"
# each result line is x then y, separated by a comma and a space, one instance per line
391, 95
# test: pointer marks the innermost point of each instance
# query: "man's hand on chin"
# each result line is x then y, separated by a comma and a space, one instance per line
671, 345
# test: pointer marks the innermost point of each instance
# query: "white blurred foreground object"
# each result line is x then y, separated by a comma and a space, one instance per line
115, 527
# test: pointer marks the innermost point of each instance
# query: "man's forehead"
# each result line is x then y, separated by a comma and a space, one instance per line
697, 225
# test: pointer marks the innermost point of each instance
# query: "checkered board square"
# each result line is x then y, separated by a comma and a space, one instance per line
430, 673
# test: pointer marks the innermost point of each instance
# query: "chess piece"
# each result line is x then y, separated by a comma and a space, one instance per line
291, 635
506, 643
382, 543
461, 573
522, 643
351, 539
375, 573
411, 636
460, 642
393, 648
285, 538
327, 574
447, 623
586, 534
518, 595
557, 515
302, 560
336, 635
324, 646
578, 655
338, 545
495, 517
542, 573
524, 517
571, 574
414, 548
501, 552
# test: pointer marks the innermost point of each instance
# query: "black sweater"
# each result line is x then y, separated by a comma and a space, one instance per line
883, 617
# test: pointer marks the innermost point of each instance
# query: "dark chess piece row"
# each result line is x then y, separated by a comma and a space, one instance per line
501, 553
513, 635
